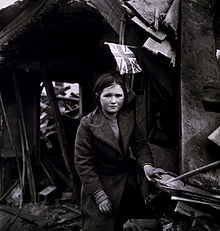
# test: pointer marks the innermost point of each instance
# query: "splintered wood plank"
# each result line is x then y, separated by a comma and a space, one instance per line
164, 48
187, 209
147, 8
47, 190
215, 136
183, 199
155, 33
172, 18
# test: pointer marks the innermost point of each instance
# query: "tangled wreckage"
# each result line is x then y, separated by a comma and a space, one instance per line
50, 53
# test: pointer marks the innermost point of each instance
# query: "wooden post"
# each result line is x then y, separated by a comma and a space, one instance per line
26, 144
10, 136
60, 128
1, 176
1, 159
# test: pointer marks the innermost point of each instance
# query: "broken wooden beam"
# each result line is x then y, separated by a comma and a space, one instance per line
30, 174
183, 199
189, 210
24, 216
23, 162
59, 128
73, 209
196, 171
47, 173
10, 136
185, 191
61, 174
9, 190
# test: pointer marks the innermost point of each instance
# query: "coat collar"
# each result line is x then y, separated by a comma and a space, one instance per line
102, 130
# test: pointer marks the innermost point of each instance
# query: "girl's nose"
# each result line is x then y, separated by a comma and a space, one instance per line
113, 99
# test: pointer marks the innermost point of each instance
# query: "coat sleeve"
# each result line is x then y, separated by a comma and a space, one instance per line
140, 148
84, 158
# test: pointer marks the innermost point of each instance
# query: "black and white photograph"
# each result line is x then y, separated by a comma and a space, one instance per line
110, 115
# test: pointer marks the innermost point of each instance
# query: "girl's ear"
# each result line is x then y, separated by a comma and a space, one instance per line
96, 97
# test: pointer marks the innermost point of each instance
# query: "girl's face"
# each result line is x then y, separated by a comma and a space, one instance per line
112, 99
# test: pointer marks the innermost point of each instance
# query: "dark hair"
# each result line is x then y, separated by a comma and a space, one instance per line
106, 80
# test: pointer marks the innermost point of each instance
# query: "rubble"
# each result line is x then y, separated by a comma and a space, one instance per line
41, 216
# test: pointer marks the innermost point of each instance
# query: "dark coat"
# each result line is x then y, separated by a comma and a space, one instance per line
102, 163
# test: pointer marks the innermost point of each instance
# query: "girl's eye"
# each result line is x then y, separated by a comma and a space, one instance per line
119, 95
107, 95
110, 95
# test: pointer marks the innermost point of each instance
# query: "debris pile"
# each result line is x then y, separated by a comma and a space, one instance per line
40, 216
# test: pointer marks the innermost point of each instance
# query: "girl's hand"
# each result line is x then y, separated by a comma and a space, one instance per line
103, 202
151, 172
105, 207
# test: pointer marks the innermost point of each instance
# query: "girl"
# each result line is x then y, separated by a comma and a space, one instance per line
109, 152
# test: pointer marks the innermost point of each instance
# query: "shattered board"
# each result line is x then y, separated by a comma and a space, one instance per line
147, 8
180, 189
215, 136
